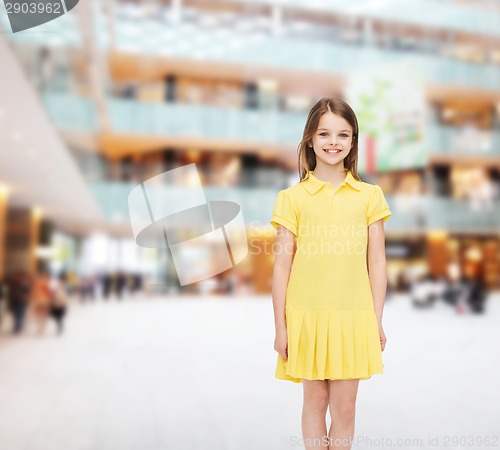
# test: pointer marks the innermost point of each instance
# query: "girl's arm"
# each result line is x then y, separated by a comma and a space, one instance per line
284, 253
377, 266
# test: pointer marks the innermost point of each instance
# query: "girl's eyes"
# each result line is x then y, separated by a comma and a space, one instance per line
342, 134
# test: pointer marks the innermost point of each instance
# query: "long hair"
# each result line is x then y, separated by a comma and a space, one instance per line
306, 155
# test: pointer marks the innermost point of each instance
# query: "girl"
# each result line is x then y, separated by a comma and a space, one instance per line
329, 277
42, 297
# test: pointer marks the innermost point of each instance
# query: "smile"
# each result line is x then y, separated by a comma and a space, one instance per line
332, 151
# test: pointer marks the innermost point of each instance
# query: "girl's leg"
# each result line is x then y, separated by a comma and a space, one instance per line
42, 317
316, 397
59, 320
37, 315
342, 411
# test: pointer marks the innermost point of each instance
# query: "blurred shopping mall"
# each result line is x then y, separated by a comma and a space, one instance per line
113, 93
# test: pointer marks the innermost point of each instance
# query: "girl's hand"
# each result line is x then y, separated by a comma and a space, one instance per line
281, 343
383, 339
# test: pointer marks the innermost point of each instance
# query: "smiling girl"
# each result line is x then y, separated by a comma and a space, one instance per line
329, 291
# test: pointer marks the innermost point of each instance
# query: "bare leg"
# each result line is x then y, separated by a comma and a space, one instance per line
342, 411
316, 397
41, 320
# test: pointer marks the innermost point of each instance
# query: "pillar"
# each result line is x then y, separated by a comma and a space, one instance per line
437, 252
3, 224
34, 239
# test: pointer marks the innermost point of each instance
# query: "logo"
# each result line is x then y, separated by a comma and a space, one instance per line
25, 14
204, 238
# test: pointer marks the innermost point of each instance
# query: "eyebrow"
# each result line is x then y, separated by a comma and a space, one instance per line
329, 130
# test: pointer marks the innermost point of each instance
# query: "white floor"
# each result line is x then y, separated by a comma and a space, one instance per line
193, 373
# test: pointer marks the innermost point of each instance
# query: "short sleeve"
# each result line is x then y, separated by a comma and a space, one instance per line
284, 213
377, 206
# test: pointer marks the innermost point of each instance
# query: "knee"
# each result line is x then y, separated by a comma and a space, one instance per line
318, 398
343, 411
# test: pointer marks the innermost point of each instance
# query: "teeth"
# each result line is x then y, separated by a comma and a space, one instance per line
332, 151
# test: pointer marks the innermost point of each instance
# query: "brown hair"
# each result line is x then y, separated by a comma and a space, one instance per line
306, 155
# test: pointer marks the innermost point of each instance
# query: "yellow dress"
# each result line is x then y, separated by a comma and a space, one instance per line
330, 316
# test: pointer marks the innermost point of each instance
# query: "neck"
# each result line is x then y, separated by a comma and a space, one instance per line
334, 174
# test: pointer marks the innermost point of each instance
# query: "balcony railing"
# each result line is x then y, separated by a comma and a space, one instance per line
425, 13
225, 45
410, 214
70, 112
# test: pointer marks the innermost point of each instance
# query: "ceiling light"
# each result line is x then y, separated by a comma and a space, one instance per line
37, 212
4, 190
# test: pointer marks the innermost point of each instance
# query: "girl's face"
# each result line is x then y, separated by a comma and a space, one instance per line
333, 133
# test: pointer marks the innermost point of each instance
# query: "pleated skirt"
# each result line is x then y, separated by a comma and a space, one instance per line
331, 344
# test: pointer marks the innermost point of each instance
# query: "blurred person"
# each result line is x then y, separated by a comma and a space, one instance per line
435, 287
130, 284
92, 286
46, 68
422, 291
72, 282
19, 289
349, 322
139, 282
87, 288
451, 291
439, 287
232, 283
107, 284
135, 283
462, 290
454, 285
403, 281
59, 302
82, 289
120, 284
41, 299
477, 294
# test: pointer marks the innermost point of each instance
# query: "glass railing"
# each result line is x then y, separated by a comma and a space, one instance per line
426, 13
446, 15
464, 215
169, 119
410, 214
186, 40
70, 112
461, 141
175, 119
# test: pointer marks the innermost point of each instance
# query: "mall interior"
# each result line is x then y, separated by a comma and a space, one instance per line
114, 93
110, 96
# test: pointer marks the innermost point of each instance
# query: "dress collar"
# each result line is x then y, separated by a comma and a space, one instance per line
313, 184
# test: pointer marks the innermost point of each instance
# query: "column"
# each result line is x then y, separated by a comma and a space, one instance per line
34, 239
437, 252
277, 20
368, 36
4, 193
176, 14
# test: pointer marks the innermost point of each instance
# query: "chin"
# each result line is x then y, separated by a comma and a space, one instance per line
331, 162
